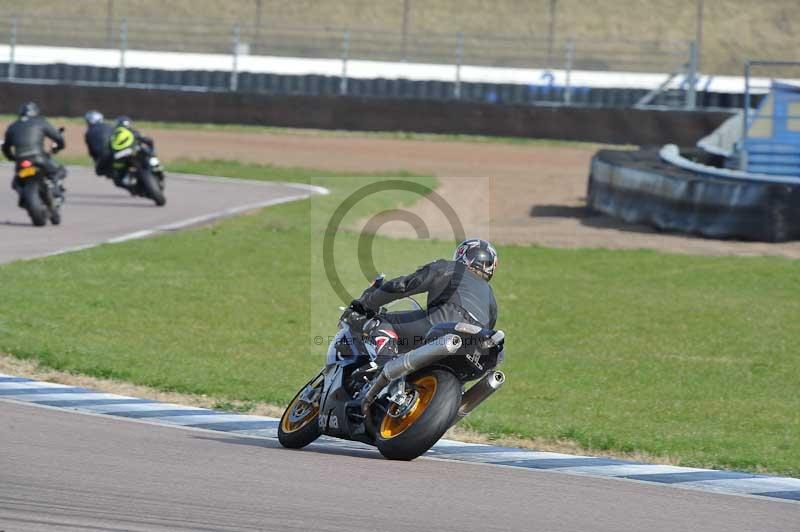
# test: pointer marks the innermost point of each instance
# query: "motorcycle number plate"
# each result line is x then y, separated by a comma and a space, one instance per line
123, 153
26, 172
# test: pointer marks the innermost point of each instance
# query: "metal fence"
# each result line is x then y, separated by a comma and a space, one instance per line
457, 50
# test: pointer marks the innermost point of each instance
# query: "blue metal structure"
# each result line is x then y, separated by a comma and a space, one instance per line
771, 133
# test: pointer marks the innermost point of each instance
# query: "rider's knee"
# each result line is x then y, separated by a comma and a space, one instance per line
383, 337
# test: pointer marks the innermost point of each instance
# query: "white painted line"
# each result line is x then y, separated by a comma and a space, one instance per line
455, 443
322, 191
749, 485
203, 219
67, 397
17, 385
226, 213
130, 236
198, 420
629, 469
141, 407
315, 189
505, 456
64, 250
262, 433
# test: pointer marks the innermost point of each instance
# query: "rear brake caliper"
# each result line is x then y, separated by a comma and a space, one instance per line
403, 399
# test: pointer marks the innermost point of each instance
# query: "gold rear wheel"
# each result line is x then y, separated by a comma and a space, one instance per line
407, 431
394, 425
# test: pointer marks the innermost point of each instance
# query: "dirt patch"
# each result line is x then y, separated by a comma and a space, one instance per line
521, 193
514, 193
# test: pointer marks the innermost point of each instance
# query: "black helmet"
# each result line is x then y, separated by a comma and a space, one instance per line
93, 117
29, 110
479, 255
124, 121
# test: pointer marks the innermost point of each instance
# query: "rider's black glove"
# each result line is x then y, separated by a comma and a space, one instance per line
358, 306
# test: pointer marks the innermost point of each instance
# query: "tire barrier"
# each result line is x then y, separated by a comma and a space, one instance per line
316, 85
638, 187
588, 124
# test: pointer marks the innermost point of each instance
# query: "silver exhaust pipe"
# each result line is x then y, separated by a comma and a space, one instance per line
410, 362
479, 392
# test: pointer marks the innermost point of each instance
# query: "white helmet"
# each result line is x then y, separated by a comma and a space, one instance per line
93, 117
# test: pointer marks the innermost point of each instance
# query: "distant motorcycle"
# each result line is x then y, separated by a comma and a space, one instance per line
37, 193
404, 407
140, 172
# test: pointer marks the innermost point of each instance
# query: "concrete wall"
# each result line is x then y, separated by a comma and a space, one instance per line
606, 125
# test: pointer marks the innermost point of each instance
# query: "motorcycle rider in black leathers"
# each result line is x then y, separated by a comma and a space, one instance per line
458, 291
97, 137
24, 139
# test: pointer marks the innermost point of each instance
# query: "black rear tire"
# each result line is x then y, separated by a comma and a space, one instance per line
295, 435
439, 414
53, 205
33, 203
152, 188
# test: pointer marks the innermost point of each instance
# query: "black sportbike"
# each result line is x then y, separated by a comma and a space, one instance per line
37, 192
140, 172
404, 407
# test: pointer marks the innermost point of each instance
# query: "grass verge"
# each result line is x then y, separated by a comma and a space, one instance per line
619, 352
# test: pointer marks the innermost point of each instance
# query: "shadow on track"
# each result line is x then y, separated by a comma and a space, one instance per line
92, 203
19, 224
319, 447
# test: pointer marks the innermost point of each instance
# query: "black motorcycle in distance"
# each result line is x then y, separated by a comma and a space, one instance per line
36, 191
404, 407
140, 172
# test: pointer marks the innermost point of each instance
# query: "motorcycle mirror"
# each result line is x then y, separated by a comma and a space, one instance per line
498, 337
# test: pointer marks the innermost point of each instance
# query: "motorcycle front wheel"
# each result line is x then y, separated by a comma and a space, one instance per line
151, 187
407, 435
299, 423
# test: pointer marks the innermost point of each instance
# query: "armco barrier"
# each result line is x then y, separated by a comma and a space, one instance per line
638, 187
318, 85
616, 126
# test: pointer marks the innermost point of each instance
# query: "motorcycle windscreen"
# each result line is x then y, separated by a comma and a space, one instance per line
405, 304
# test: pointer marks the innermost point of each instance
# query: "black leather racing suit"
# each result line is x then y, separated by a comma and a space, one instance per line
97, 138
25, 140
455, 293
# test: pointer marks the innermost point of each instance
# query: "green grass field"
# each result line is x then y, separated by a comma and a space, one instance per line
687, 357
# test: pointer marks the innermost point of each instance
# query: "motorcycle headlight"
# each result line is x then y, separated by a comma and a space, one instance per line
154, 161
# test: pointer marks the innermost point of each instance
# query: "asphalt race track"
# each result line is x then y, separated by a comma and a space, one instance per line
65, 471
97, 212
